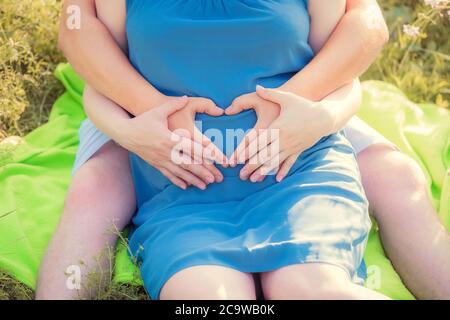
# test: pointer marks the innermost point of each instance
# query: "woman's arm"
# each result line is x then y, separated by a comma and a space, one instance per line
296, 129
341, 105
96, 55
108, 117
344, 48
158, 150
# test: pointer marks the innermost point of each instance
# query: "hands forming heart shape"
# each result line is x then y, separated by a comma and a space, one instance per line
298, 123
199, 165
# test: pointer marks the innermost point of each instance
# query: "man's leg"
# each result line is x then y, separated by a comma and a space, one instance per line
415, 241
100, 199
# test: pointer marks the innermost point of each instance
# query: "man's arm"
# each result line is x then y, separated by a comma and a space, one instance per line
96, 56
351, 48
345, 55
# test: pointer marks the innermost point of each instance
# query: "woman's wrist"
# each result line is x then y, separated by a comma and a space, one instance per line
121, 133
327, 116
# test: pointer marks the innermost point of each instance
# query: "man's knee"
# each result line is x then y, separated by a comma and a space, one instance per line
98, 193
91, 189
388, 169
104, 180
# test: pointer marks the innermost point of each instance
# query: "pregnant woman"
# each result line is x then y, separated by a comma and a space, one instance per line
309, 224
310, 221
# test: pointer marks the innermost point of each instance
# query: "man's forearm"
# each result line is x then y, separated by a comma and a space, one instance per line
349, 51
96, 56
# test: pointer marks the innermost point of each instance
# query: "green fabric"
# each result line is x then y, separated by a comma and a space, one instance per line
35, 174
422, 132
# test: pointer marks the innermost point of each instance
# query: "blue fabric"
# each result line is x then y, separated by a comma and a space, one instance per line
221, 50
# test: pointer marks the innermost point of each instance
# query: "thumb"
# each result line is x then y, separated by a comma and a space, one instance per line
212, 110
237, 107
276, 96
172, 106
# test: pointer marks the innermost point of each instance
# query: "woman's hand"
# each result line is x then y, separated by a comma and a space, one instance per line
149, 137
182, 123
266, 112
300, 125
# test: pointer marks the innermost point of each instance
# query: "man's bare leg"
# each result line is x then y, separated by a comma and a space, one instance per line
415, 241
100, 198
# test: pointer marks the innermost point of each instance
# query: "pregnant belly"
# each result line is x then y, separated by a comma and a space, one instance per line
226, 131
154, 189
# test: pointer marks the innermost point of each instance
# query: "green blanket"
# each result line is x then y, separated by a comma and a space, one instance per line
35, 174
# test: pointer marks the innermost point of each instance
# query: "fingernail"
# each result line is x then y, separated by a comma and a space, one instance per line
225, 162
210, 179
202, 186
254, 178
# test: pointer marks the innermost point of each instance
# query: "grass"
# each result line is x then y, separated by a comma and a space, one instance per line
420, 66
11, 289
28, 55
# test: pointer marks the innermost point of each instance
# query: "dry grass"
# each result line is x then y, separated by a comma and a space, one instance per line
11, 289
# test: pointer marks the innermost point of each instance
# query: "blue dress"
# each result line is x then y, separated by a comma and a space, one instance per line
221, 49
